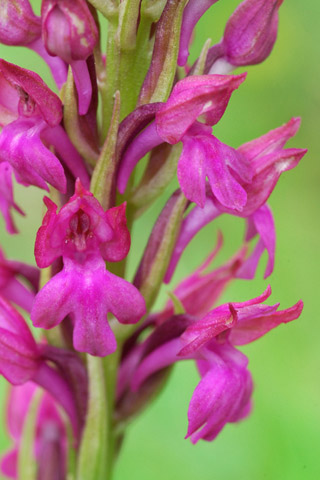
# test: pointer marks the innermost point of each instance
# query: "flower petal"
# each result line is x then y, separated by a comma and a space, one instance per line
34, 164
191, 170
254, 323
192, 97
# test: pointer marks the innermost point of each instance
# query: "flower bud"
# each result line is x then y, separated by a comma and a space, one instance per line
70, 32
68, 29
18, 24
251, 31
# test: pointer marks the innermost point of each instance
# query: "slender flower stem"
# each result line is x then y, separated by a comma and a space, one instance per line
111, 370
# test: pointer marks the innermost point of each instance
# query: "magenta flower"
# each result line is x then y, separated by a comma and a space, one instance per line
85, 236
31, 114
69, 31
249, 36
223, 394
27, 108
50, 439
251, 32
241, 322
268, 159
203, 155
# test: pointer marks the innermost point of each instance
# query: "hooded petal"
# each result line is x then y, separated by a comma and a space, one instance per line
201, 332
203, 156
29, 96
78, 230
206, 95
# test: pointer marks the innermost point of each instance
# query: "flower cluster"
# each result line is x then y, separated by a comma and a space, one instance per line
103, 352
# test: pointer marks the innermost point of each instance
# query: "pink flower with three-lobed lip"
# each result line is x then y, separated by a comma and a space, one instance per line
85, 236
223, 394
268, 160
31, 115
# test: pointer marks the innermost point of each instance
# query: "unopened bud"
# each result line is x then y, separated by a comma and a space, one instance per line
251, 32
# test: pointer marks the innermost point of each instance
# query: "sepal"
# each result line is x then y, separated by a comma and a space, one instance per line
24, 94
192, 97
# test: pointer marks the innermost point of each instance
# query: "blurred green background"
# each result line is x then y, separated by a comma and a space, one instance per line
280, 440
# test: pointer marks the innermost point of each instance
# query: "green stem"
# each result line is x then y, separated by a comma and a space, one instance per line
134, 66
110, 364
109, 88
94, 459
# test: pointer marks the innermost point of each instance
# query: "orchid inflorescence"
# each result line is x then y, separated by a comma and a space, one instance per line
104, 352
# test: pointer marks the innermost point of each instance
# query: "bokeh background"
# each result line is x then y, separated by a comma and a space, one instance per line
280, 440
